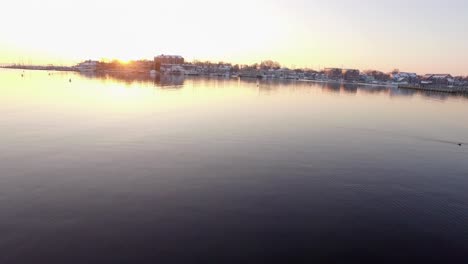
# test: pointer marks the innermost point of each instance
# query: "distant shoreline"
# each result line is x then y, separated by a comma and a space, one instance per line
40, 68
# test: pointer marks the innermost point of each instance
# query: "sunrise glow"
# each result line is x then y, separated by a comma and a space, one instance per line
297, 33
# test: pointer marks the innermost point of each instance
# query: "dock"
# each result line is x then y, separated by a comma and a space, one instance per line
437, 88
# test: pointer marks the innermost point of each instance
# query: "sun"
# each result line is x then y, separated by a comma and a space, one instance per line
124, 61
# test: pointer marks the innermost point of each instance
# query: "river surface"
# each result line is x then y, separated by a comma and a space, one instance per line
125, 169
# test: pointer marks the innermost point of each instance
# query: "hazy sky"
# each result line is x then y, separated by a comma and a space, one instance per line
422, 36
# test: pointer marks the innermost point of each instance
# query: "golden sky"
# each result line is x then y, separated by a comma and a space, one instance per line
297, 33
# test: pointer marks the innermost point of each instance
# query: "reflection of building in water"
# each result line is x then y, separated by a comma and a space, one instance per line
334, 87
268, 87
125, 77
166, 80
349, 88
89, 74
135, 77
411, 92
369, 89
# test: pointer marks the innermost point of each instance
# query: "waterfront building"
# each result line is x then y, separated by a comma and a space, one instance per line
351, 75
191, 69
460, 81
437, 79
172, 69
378, 76
167, 60
284, 73
333, 73
310, 74
405, 77
87, 66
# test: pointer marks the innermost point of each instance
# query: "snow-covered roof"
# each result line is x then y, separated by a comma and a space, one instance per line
437, 76
441, 76
405, 74
169, 57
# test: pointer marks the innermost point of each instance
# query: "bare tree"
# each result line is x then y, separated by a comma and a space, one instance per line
269, 64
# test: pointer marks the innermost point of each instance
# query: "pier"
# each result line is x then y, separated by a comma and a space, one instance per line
437, 88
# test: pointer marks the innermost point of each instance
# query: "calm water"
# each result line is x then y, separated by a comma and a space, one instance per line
115, 170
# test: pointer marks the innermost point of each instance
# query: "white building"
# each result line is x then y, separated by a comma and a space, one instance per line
87, 66
405, 77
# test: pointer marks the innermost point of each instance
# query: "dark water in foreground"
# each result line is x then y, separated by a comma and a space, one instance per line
104, 170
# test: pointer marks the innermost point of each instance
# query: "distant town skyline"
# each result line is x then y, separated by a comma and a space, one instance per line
417, 36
